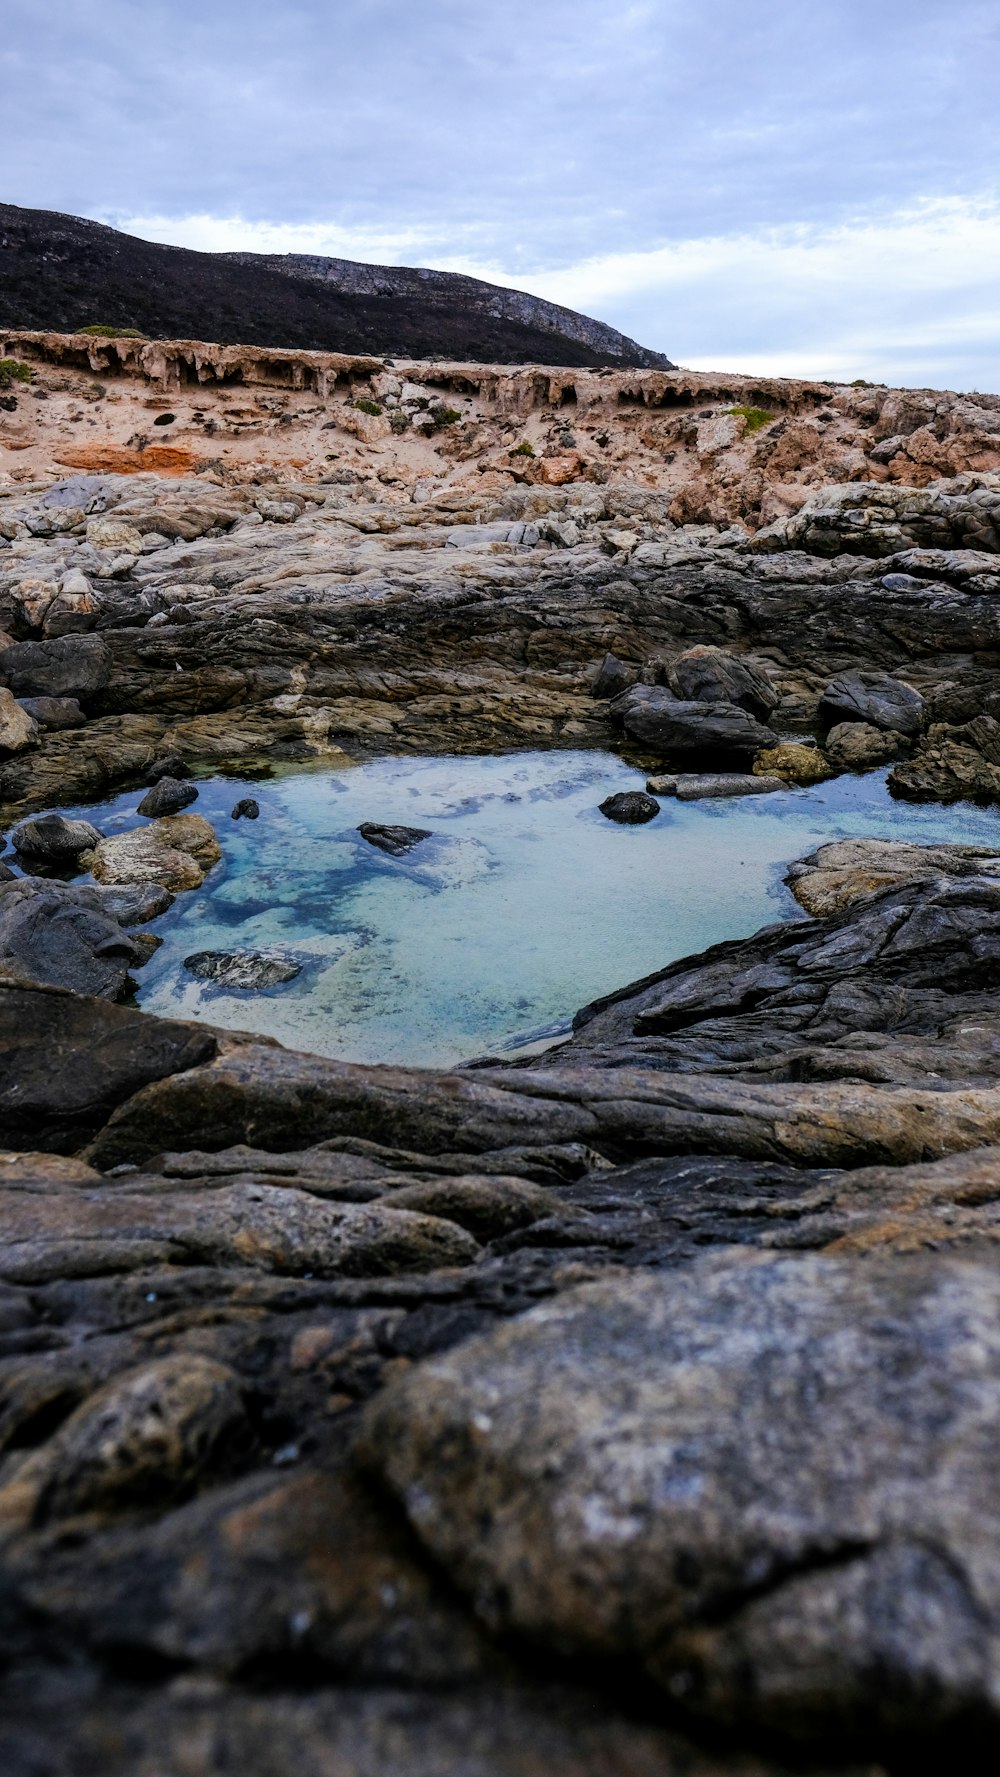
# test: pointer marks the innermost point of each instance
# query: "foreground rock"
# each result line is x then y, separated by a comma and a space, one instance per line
48, 934
175, 851
52, 839
629, 1472
836, 875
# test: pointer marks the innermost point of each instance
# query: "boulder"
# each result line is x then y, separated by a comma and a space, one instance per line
875, 698
858, 746
653, 715
246, 809
243, 969
114, 535
171, 765
66, 1062
53, 839
175, 851
613, 677
168, 796
847, 870
54, 712
630, 808
694, 786
395, 841
769, 1481
952, 763
713, 675
66, 666
48, 935
17, 728
793, 763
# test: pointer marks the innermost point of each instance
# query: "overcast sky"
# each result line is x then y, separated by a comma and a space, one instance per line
790, 185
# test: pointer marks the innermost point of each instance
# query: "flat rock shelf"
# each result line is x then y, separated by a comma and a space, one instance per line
522, 904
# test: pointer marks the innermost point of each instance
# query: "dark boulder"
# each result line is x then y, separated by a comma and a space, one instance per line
246, 809
47, 935
66, 1062
630, 807
713, 675
53, 839
244, 969
613, 677
875, 698
168, 796
396, 841
54, 712
171, 765
65, 666
706, 731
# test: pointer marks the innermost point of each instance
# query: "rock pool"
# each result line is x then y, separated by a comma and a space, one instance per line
523, 904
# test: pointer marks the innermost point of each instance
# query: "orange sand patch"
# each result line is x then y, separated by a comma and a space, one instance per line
116, 459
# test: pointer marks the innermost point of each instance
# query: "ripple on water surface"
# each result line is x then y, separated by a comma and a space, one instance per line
524, 904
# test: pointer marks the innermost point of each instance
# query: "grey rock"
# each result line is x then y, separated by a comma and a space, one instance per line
769, 1481
66, 666
243, 969
712, 675
613, 677
858, 746
48, 935
653, 715
168, 796
54, 712
874, 698
630, 808
396, 841
246, 809
53, 839
171, 765
693, 786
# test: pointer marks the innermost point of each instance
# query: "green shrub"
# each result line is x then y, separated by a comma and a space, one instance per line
13, 371
755, 417
861, 382
445, 416
366, 405
524, 449
101, 330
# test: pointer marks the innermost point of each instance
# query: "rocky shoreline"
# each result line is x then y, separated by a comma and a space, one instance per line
626, 1409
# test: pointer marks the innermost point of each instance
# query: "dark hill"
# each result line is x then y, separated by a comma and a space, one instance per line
61, 273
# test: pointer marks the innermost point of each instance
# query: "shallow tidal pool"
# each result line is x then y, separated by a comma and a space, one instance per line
524, 904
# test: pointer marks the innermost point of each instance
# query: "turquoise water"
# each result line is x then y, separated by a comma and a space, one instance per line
523, 905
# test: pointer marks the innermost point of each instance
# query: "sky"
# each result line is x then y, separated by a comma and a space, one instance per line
790, 186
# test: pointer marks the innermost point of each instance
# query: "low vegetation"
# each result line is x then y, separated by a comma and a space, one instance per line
365, 405
13, 371
755, 417
101, 330
524, 449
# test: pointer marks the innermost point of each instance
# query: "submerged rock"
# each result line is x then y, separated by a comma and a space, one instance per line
630, 807
395, 841
168, 796
53, 839
245, 969
607, 1469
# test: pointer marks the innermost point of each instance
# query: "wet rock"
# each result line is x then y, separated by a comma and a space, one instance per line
17, 728
168, 796
836, 875
131, 904
707, 674
858, 746
66, 666
175, 851
171, 765
693, 786
246, 809
875, 698
66, 1062
653, 715
793, 763
613, 677
47, 935
609, 1469
395, 841
242, 969
53, 839
54, 712
630, 807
